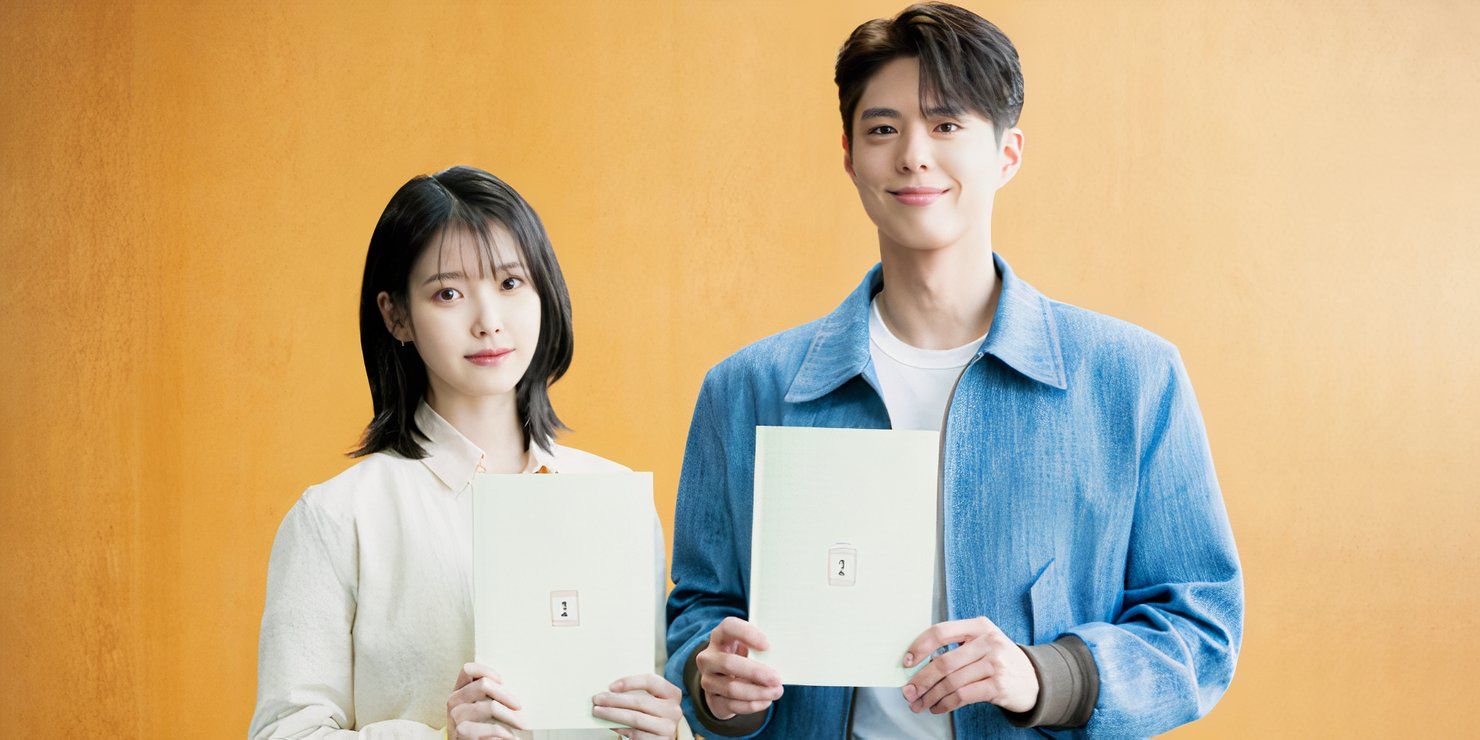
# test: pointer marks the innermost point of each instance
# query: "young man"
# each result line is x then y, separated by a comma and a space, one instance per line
1088, 576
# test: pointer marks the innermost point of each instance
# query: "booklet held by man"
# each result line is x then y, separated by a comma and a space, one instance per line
843, 544
563, 599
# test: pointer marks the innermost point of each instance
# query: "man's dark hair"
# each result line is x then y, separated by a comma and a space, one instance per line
966, 63
420, 213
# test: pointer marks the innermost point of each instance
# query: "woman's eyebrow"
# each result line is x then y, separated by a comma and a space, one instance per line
444, 276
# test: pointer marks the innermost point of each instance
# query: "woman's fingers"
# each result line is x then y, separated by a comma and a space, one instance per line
660, 726
471, 671
649, 682
486, 710
484, 688
470, 730
637, 700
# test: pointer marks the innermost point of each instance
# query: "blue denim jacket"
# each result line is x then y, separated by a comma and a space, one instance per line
1079, 497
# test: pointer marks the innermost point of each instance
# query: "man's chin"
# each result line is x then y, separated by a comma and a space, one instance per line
915, 241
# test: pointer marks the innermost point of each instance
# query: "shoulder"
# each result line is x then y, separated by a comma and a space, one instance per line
374, 476
1114, 353
572, 460
770, 362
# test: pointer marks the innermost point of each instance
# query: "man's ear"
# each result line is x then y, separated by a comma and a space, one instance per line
1010, 153
847, 157
393, 317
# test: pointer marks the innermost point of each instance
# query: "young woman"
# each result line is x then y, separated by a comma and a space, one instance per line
464, 324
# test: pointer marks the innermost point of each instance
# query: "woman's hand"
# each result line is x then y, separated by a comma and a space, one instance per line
985, 666
480, 706
646, 704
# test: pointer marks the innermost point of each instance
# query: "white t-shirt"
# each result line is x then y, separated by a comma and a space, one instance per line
916, 384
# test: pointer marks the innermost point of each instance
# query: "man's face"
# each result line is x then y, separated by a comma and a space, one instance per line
926, 178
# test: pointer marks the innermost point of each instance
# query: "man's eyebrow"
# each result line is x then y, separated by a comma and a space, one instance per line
939, 111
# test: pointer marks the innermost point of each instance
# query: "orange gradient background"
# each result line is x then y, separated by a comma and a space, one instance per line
1287, 191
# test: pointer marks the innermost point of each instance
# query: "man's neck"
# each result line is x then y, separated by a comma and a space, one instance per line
939, 299
490, 422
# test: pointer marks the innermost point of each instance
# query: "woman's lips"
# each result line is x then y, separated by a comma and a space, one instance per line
488, 357
917, 196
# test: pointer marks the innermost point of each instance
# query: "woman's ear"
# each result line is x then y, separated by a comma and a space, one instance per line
394, 317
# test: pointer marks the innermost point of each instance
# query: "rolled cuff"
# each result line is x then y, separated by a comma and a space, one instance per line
738, 725
1068, 685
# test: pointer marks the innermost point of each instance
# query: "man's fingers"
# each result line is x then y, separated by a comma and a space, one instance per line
744, 669
946, 633
987, 690
941, 666
951, 685
735, 629
743, 708
718, 684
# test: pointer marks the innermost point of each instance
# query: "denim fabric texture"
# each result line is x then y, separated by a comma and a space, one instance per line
1079, 497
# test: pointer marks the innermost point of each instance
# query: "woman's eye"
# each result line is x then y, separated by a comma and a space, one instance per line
881, 130
511, 283
948, 128
448, 294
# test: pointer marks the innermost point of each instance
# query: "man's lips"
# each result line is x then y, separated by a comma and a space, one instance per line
917, 195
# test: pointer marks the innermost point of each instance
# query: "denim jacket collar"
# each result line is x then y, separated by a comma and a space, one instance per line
1023, 336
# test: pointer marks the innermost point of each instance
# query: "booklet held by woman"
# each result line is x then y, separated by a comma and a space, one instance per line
563, 588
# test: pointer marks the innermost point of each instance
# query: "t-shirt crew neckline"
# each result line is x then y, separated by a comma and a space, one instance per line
907, 354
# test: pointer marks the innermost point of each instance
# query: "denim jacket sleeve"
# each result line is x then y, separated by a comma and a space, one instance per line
707, 581
1170, 653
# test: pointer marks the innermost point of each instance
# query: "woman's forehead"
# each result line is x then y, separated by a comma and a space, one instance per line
460, 248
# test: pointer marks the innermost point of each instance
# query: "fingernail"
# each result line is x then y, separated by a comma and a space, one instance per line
909, 660
909, 692
616, 686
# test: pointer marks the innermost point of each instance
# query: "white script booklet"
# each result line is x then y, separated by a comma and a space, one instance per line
563, 599
843, 551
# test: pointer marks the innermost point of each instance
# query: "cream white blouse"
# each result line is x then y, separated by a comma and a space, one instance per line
368, 617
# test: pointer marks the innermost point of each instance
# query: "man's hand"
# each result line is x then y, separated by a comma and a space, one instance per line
985, 666
733, 683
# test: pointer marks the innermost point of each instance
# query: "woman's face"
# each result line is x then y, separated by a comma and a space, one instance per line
475, 326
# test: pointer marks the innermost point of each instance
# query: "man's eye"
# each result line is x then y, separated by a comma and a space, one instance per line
948, 128
448, 294
511, 283
881, 130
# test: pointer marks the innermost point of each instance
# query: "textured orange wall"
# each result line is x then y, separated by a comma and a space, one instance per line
1287, 191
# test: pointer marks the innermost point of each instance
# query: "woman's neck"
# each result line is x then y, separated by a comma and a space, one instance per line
489, 422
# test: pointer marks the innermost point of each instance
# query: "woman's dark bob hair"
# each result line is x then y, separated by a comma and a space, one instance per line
420, 213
